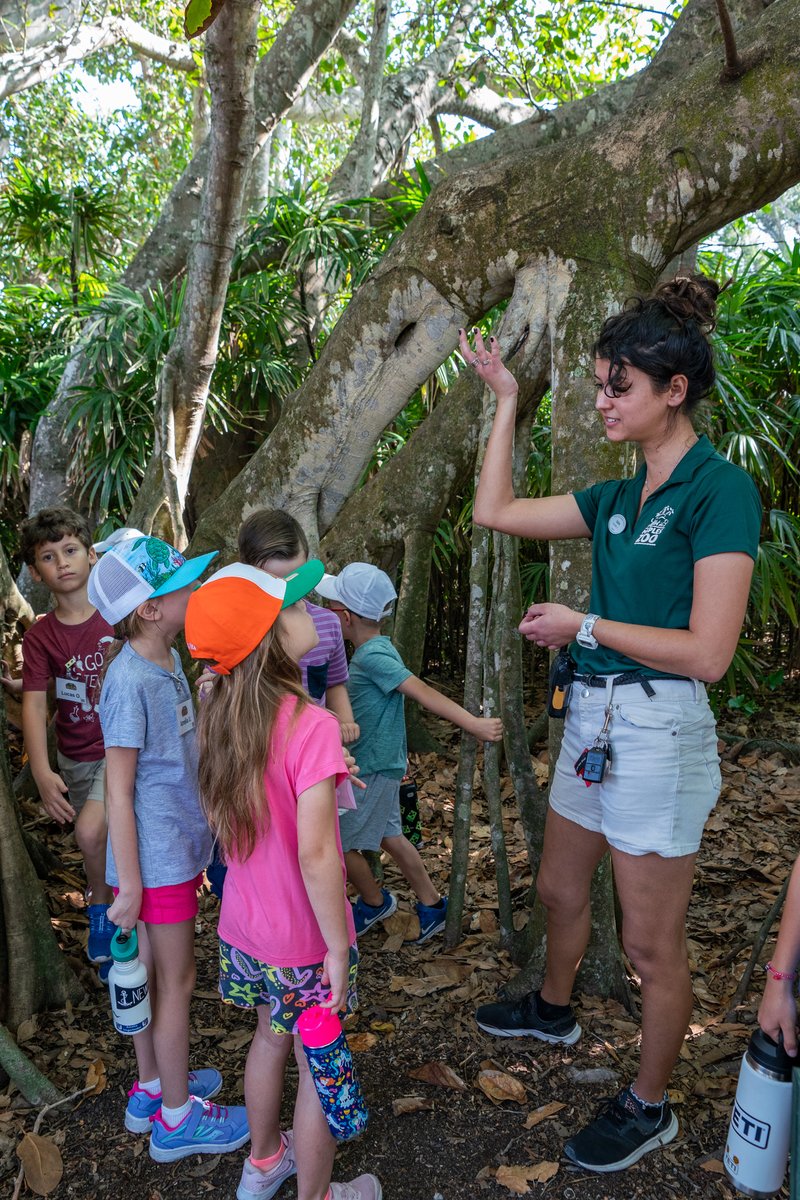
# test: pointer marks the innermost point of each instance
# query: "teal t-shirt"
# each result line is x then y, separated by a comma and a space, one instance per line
643, 565
376, 672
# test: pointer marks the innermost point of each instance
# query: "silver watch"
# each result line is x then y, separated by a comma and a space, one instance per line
584, 636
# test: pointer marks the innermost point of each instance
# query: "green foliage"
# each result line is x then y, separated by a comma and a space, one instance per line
32, 357
61, 233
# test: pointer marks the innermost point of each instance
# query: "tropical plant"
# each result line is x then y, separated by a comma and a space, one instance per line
71, 232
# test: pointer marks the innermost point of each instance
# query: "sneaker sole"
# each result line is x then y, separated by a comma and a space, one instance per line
144, 1124
166, 1154
554, 1039
375, 920
96, 961
660, 1139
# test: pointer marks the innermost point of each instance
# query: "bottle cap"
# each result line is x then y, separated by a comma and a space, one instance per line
124, 946
318, 1027
770, 1055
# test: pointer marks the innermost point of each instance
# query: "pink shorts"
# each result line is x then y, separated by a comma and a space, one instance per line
169, 905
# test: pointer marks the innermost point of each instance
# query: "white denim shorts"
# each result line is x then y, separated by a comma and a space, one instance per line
663, 779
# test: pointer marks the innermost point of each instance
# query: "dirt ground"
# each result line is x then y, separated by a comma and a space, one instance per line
441, 1136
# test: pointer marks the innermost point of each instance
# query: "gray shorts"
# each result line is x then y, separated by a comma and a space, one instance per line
85, 780
664, 777
376, 817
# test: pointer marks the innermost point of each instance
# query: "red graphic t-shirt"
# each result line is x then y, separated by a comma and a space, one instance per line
72, 657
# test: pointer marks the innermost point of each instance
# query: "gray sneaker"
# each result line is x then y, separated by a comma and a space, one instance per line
365, 1187
262, 1185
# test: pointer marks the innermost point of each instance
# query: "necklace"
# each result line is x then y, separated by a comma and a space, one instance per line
663, 476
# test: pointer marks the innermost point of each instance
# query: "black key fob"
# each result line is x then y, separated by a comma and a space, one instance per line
595, 765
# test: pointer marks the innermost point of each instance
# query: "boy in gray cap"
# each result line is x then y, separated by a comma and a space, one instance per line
362, 596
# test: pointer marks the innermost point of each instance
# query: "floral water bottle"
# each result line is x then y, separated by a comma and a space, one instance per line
127, 984
333, 1072
757, 1147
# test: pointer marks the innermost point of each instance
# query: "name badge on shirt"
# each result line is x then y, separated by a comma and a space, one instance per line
185, 714
71, 689
616, 523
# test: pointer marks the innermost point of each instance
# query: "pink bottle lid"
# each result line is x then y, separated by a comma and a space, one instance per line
318, 1027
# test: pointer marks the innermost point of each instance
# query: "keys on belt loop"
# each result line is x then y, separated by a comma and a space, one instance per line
590, 765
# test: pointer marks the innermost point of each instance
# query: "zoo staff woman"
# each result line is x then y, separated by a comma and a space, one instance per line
672, 558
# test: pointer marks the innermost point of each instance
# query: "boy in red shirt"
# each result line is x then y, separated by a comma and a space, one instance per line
67, 647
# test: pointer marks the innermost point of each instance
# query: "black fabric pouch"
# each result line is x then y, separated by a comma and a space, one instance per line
562, 673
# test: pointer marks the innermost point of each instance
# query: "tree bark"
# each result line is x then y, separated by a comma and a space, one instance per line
281, 76
23, 69
625, 199
230, 58
33, 972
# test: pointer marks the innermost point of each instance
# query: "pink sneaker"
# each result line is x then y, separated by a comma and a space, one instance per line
264, 1184
365, 1187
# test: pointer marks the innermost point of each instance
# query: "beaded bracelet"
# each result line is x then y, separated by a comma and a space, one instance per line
790, 975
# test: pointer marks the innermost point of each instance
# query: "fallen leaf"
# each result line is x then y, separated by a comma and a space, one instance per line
96, 1076
41, 1162
410, 1104
515, 1179
26, 1030
499, 1086
362, 1041
440, 1075
541, 1114
543, 1171
714, 1166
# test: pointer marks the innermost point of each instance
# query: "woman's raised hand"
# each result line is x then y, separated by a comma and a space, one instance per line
487, 363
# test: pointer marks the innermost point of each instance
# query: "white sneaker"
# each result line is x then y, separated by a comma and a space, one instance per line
264, 1184
365, 1187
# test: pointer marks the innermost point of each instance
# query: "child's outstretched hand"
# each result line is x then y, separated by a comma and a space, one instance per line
336, 976
487, 729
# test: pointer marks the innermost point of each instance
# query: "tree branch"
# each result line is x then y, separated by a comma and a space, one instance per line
25, 69
734, 67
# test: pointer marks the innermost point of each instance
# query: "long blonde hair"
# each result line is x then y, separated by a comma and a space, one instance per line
235, 729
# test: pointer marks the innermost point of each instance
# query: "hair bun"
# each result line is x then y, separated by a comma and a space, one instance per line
691, 297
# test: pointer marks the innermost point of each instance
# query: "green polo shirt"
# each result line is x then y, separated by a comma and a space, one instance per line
643, 565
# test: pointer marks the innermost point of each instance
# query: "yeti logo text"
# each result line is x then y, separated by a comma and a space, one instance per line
650, 534
750, 1129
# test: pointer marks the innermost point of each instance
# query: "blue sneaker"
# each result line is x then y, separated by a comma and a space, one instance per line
365, 915
143, 1107
101, 931
431, 921
103, 970
208, 1129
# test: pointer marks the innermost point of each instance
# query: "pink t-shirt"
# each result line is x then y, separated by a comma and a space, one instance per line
265, 909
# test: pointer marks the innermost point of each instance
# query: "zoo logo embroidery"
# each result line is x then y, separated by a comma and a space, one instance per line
650, 534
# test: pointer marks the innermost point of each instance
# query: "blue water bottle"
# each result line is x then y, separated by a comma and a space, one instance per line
333, 1072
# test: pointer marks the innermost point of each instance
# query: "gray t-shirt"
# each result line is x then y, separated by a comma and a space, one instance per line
142, 706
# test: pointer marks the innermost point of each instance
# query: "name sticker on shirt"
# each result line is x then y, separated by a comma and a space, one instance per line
71, 689
185, 714
616, 523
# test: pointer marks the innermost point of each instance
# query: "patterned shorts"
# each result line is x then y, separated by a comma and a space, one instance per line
247, 982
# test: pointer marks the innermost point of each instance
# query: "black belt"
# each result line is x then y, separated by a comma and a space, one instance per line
600, 681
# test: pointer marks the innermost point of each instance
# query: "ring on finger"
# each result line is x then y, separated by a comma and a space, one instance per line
475, 361
485, 362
